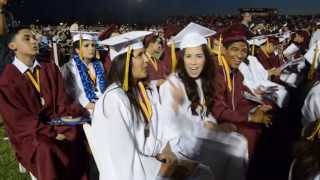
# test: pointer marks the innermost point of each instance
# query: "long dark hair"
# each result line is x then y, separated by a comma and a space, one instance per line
116, 75
207, 77
307, 154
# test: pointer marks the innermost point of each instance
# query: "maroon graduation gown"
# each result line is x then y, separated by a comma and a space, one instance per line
229, 108
270, 62
164, 65
25, 121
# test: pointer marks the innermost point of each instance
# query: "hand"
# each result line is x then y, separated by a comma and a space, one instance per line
260, 116
274, 72
177, 95
259, 91
60, 137
90, 106
169, 162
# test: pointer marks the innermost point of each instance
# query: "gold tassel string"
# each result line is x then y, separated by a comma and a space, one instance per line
125, 85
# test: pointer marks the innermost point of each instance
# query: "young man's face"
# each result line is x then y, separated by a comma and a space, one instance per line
236, 53
25, 43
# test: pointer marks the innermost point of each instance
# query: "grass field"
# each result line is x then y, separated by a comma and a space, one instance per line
8, 165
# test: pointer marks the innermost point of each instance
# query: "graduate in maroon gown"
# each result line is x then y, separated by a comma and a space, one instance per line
32, 94
230, 105
266, 56
269, 60
158, 66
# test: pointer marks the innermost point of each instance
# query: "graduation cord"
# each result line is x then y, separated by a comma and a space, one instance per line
144, 103
315, 132
87, 82
35, 80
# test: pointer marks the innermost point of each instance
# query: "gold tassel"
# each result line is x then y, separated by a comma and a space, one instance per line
173, 57
315, 132
227, 71
125, 85
209, 44
312, 68
219, 50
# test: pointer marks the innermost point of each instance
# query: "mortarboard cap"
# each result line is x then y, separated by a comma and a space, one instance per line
121, 43
257, 42
192, 35
77, 35
235, 32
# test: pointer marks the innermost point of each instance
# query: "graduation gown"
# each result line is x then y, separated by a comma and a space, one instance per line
232, 107
75, 89
225, 153
162, 70
26, 120
270, 62
74, 85
121, 149
164, 66
255, 75
311, 107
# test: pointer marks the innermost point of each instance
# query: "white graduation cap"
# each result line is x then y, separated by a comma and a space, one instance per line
284, 36
257, 42
120, 44
192, 35
77, 35
291, 49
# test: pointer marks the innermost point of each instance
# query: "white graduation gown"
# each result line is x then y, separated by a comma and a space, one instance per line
74, 85
75, 88
225, 153
121, 149
311, 108
255, 75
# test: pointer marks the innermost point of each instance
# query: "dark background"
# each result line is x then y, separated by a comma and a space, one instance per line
136, 11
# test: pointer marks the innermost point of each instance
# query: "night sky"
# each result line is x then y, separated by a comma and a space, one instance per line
131, 11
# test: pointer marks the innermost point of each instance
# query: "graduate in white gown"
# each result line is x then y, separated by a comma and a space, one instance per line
129, 138
84, 74
257, 79
191, 89
311, 107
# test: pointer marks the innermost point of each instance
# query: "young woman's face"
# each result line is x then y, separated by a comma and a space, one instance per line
194, 60
25, 43
88, 49
139, 64
236, 53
